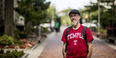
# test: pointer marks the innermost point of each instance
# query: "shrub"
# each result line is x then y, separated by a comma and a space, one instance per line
103, 30
6, 40
44, 29
22, 35
18, 42
13, 54
17, 34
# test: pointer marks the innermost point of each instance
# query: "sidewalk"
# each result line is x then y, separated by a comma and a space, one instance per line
105, 41
51, 47
39, 48
36, 51
101, 49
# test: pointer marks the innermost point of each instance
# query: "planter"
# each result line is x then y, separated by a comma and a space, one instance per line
26, 44
11, 54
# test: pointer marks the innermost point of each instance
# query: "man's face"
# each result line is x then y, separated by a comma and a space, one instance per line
74, 18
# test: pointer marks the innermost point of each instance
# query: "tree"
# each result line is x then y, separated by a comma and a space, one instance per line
106, 13
51, 14
65, 17
1, 13
112, 10
1, 18
34, 12
9, 18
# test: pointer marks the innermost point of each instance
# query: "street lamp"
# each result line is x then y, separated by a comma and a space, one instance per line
98, 17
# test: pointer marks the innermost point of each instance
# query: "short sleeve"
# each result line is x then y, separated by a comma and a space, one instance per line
64, 36
89, 35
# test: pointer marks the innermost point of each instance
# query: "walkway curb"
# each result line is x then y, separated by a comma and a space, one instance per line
25, 55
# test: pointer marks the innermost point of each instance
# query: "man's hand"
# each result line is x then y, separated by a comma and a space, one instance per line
64, 55
63, 50
90, 50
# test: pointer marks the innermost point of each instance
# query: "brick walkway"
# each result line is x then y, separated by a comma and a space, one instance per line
53, 49
101, 50
54, 46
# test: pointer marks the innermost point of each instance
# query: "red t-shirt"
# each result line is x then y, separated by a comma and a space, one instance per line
76, 43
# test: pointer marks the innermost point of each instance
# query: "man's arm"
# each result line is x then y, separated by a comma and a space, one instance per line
90, 50
63, 50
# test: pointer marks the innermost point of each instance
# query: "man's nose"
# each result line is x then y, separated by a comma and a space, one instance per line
72, 18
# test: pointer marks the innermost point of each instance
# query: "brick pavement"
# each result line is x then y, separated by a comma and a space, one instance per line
54, 46
101, 50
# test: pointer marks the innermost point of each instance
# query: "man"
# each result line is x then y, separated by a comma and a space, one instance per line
57, 24
76, 47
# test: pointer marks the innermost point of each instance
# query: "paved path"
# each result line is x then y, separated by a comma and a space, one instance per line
53, 47
102, 49
36, 51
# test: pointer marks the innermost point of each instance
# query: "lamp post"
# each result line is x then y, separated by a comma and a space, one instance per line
113, 14
98, 17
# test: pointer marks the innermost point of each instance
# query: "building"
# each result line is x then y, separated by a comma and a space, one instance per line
18, 19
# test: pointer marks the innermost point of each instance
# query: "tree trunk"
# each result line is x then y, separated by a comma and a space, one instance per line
0, 12
28, 28
1, 18
9, 18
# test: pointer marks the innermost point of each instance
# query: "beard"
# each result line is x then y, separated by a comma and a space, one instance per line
74, 23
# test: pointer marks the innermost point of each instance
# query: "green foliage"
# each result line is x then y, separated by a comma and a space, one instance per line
6, 40
20, 34
13, 54
103, 30
65, 18
33, 10
107, 15
33, 30
49, 14
17, 34
19, 42
44, 29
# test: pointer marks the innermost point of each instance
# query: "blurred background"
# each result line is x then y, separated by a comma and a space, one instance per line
24, 24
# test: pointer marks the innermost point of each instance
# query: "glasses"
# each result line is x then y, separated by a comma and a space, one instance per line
73, 15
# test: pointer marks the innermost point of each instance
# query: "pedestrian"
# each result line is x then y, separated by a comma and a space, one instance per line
77, 39
57, 25
52, 25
